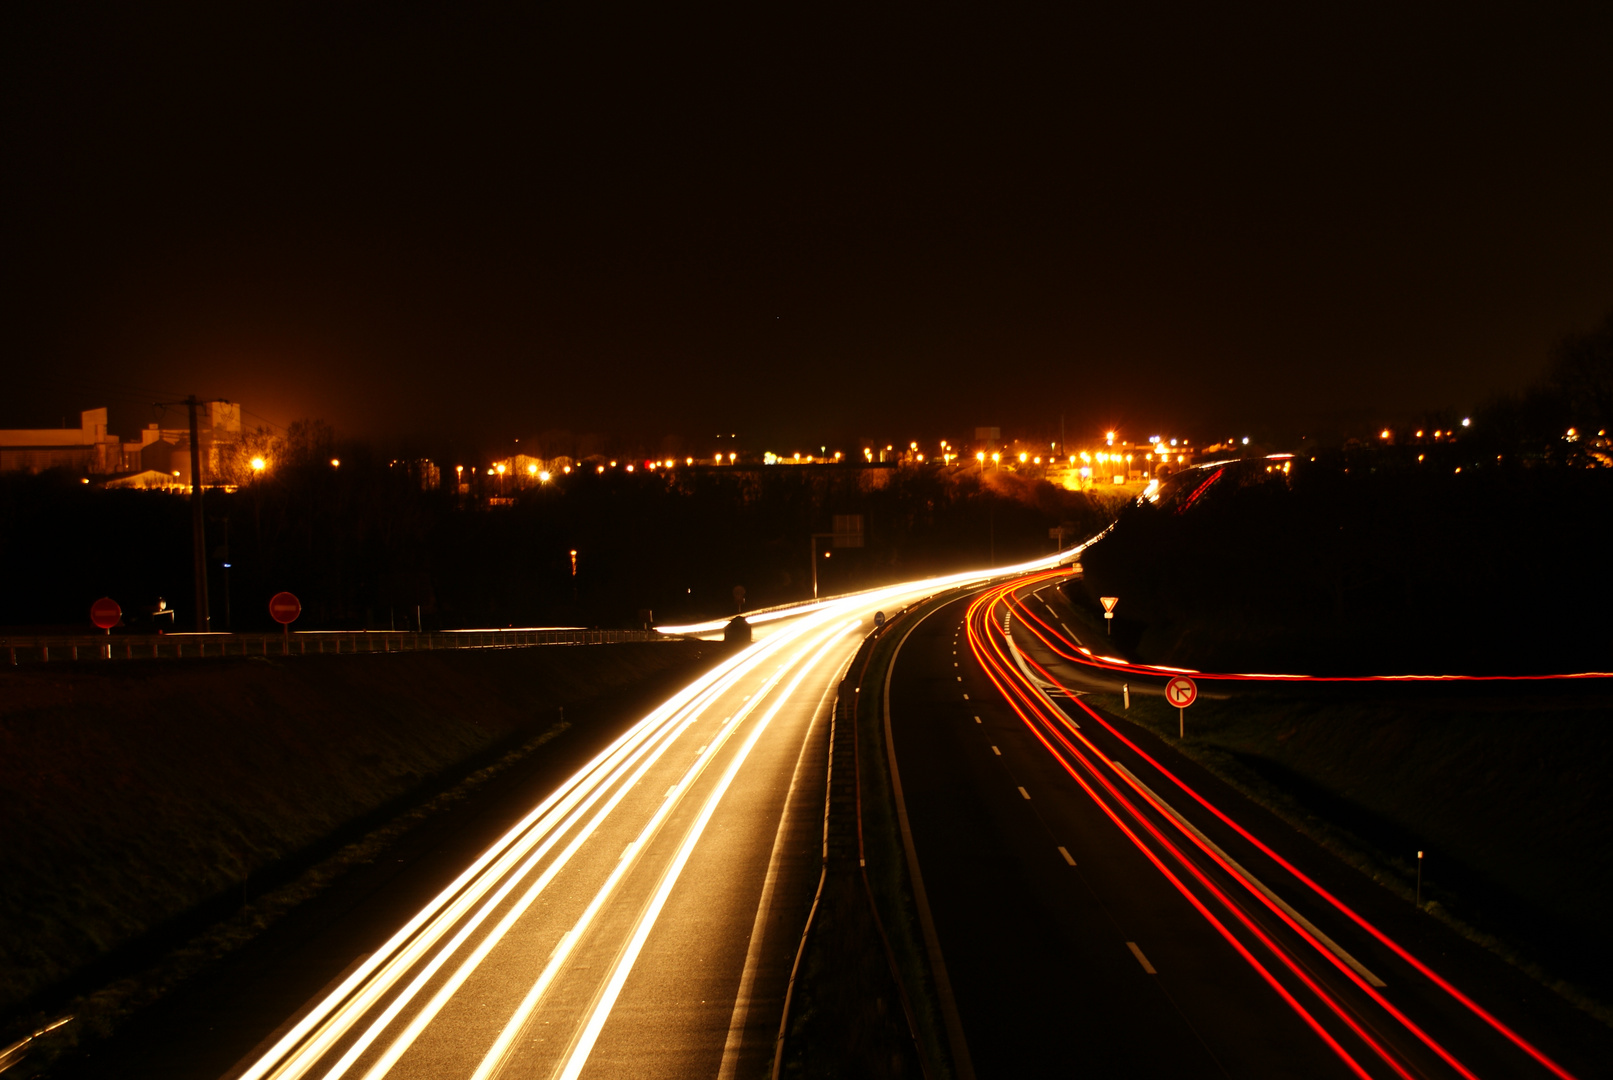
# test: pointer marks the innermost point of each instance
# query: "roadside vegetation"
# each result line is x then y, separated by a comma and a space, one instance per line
160, 814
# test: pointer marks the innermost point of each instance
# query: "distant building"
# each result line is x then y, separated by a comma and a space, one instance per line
87, 448
93, 450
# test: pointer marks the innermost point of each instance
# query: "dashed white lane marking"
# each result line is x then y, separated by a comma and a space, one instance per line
1141, 959
996, 751
1067, 630
1067, 857
671, 791
966, 696
1025, 793
954, 663
977, 719
700, 751
960, 678
1333, 946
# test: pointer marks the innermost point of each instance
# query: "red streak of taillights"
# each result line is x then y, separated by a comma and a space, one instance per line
998, 595
1265, 973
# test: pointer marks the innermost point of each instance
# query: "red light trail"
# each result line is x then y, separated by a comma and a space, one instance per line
1093, 771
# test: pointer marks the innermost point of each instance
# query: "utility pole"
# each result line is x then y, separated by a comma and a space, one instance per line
198, 524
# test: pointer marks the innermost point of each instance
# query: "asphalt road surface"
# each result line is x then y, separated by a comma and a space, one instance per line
635, 918
1084, 938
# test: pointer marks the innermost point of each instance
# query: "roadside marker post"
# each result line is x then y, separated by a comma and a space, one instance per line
1109, 603
1419, 881
1125, 694
1181, 692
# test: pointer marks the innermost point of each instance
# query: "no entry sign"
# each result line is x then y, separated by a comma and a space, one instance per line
105, 613
284, 608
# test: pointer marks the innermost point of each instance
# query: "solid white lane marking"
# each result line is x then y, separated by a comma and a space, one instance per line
753, 954
1067, 857
1333, 946
1025, 793
1141, 959
996, 751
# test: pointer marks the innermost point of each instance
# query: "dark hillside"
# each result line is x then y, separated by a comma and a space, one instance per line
134, 795
1373, 564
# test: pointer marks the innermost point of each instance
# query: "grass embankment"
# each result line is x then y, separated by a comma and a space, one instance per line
142, 801
1500, 784
848, 1016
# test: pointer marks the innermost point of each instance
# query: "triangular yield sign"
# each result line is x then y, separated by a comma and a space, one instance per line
1109, 602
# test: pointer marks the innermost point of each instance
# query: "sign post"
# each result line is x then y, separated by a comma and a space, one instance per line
284, 609
1109, 603
1181, 692
106, 614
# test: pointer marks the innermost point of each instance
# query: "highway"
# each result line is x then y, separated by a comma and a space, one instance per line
641, 919
1097, 900
1100, 900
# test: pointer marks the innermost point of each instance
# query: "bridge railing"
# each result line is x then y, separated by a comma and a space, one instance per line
48, 648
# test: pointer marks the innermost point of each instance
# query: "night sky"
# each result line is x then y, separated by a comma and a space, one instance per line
807, 226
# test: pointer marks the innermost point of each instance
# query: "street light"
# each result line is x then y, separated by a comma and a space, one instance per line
258, 464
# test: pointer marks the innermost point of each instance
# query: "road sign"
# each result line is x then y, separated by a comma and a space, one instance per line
879, 618
848, 530
105, 613
284, 608
1181, 692
1109, 603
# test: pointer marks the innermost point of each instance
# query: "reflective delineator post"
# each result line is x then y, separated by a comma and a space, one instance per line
1125, 694
1419, 881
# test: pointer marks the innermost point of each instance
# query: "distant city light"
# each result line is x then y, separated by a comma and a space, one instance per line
500, 468
335, 463
1466, 423
532, 470
1246, 440
543, 477
258, 465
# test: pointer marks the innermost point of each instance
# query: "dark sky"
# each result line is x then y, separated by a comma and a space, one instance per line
406, 218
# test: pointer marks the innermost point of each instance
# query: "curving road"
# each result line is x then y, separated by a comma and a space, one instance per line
1101, 902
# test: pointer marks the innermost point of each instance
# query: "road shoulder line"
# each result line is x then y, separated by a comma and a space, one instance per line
932, 943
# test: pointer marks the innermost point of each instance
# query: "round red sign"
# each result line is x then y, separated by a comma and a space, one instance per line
105, 613
1181, 691
284, 607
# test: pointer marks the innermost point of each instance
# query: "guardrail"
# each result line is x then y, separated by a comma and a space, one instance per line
59, 647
